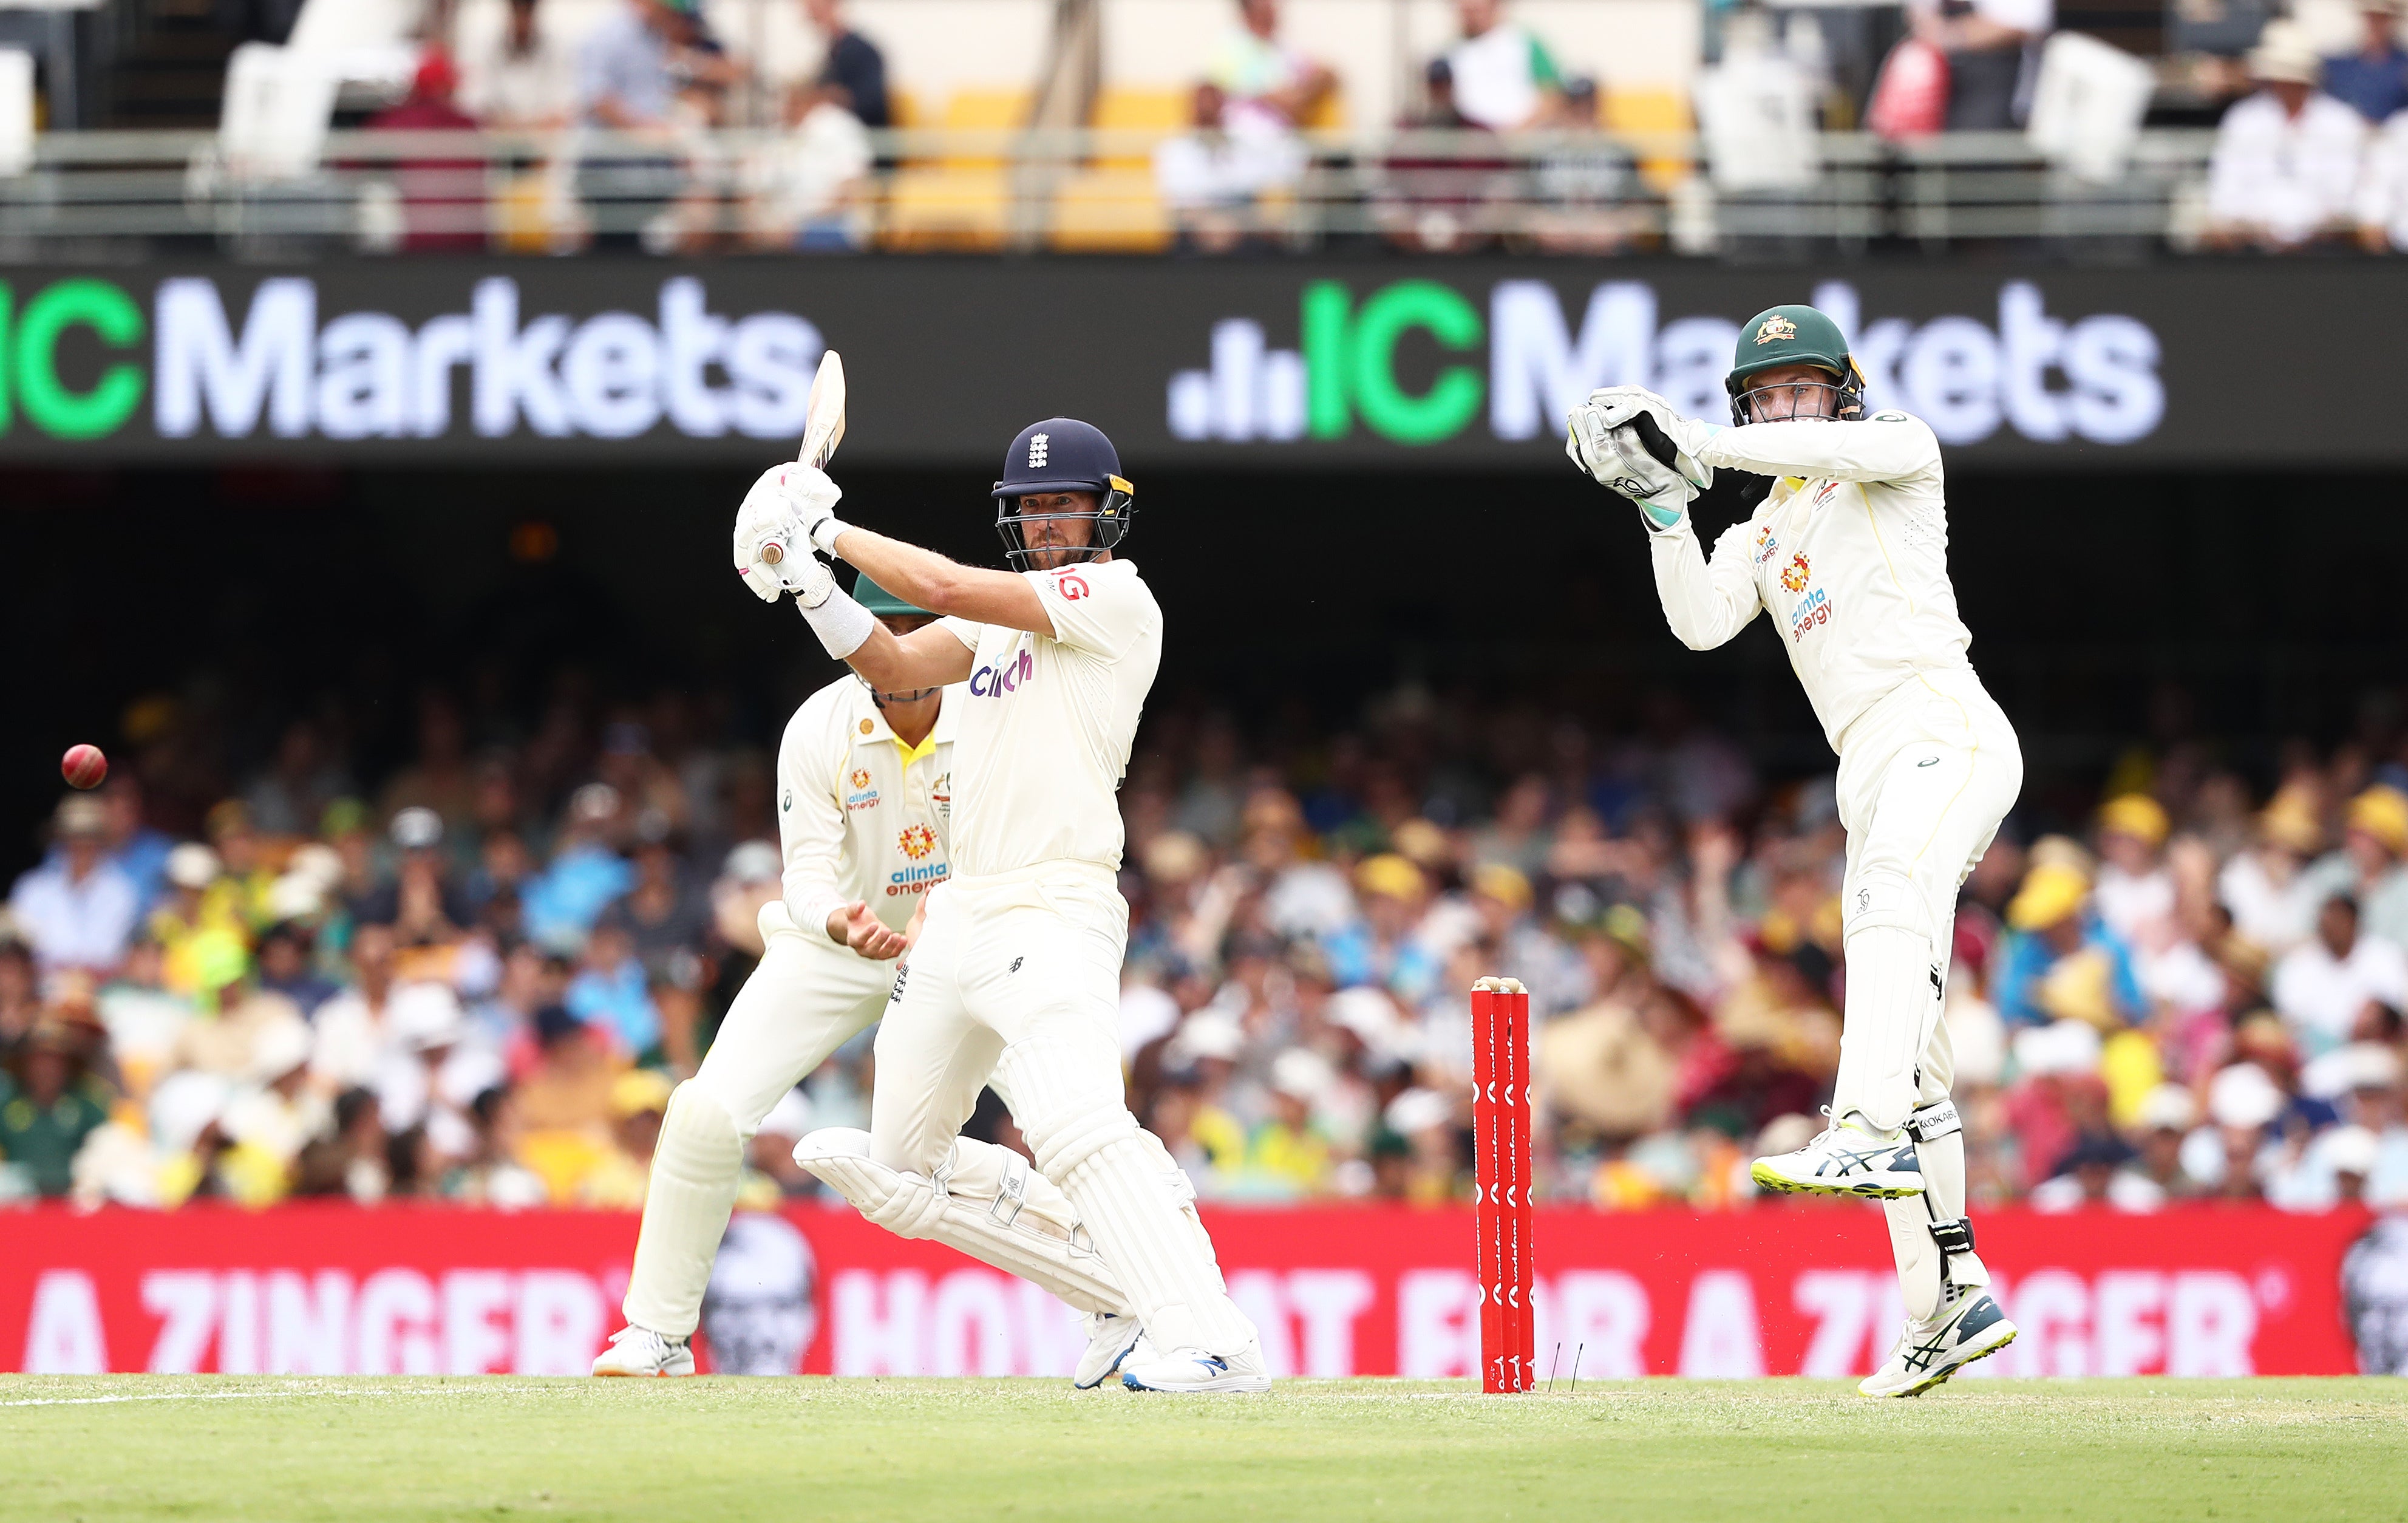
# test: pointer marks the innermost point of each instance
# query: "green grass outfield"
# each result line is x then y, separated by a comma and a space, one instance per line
728, 1450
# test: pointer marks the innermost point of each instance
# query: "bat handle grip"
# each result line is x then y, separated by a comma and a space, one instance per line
773, 552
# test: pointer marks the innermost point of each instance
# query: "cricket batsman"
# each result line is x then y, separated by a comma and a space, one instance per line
865, 797
1848, 550
1017, 968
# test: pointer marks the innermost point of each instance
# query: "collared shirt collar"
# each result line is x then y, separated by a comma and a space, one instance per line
869, 726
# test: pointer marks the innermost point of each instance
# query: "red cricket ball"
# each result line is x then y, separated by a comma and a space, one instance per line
83, 766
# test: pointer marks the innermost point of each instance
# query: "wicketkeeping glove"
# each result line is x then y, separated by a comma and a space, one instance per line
1628, 404
1620, 461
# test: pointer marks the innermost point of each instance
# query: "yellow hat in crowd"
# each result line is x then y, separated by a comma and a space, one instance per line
2290, 821
2382, 813
1391, 875
2135, 814
2051, 893
640, 1090
1507, 885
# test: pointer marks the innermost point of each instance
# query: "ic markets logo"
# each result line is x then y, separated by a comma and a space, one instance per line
2048, 379
283, 367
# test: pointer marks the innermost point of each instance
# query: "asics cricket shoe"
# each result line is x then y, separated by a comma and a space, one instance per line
1193, 1370
1847, 1158
1111, 1340
641, 1351
1928, 1352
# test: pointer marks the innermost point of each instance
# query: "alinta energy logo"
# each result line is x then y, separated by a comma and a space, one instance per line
274, 364
1525, 361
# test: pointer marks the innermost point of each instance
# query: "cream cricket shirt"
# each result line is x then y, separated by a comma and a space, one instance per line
1046, 725
1849, 553
860, 815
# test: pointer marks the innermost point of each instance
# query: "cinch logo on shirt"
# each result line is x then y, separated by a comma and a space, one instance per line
995, 682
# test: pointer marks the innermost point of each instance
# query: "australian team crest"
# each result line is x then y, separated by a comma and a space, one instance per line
1775, 328
1795, 576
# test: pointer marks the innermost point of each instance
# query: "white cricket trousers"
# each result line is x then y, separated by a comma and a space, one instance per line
1926, 776
1019, 974
807, 997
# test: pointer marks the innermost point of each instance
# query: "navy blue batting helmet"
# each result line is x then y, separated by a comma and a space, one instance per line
1063, 454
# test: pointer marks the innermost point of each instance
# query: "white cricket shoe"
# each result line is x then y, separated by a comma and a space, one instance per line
1110, 1341
641, 1351
1193, 1370
1970, 1328
1846, 1158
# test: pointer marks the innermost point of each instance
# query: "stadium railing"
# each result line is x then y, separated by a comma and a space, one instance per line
91, 193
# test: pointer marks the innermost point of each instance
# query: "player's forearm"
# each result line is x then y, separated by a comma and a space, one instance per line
1821, 447
909, 572
1702, 614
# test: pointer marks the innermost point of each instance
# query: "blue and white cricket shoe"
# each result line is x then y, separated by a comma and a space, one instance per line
1971, 1327
1193, 1370
1846, 1158
1112, 1340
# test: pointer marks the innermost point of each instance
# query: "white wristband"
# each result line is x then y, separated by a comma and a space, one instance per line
824, 533
843, 625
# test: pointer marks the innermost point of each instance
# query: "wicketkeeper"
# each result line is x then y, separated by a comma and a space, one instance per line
1848, 549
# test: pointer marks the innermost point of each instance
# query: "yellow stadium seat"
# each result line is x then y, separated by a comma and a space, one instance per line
1111, 209
962, 199
1647, 111
1161, 113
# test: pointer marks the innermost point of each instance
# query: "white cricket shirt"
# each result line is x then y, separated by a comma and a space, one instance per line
1849, 553
1045, 725
861, 815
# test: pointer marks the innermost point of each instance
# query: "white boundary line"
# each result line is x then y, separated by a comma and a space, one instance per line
261, 1396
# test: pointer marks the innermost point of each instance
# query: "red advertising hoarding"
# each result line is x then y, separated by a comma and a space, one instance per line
1785, 1289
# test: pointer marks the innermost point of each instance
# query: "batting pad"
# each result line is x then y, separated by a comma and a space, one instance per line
1891, 1002
695, 1168
1157, 1248
986, 1201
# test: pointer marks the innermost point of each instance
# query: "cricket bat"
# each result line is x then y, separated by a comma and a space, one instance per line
822, 429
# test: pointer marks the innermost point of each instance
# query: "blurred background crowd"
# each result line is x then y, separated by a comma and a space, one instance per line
690, 126
257, 963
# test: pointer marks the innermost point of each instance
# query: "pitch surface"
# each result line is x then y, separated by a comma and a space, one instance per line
731, 1450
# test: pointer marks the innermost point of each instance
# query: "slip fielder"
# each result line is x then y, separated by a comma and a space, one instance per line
1017, 968
1848, 552
865, 819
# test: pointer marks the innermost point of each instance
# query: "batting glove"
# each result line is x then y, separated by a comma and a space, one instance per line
1623, 406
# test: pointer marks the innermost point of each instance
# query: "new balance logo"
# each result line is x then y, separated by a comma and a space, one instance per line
1037, 450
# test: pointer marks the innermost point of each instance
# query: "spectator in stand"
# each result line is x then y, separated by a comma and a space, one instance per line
1502, 78
442, 211
2373, 80
136, 849
2286, 165
78, 911
1260, 76
2134, 892
518, 80
2266, 887
631, 71
1213, 176
2373, 863
1993, 51
423, 902
852, 72
2324, 987
2382, 206
2061, 961
50, 1104
585, 874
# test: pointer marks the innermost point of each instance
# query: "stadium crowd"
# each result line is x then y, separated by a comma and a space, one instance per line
479, 979
2310, 147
